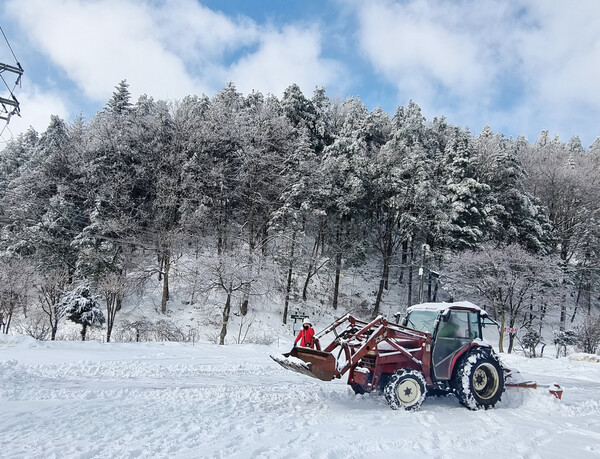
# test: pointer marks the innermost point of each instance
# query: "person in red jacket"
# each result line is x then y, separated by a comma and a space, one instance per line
305, 336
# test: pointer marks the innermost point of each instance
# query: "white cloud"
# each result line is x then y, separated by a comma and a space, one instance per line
527, 65
283, 58
169, 49
196, 32
562, 53
100, 43
422, 47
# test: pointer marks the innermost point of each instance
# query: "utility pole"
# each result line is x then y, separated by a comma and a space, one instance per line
424, 249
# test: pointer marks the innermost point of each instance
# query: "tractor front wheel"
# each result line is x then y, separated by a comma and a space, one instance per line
478, 380
405, 389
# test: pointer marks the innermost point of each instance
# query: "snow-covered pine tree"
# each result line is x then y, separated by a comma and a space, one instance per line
300, 111
120, 102
562, 339
47, 205
424, 218
102, 260
292, 203
189, 118
595, 151
15, 159
390, 179
82, 307
271, 153
322, 129
469, 200
161, 145
342, 195
517, 214
215, 163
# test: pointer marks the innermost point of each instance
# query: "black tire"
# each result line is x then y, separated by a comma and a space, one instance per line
478, 379
405, 389
358, 389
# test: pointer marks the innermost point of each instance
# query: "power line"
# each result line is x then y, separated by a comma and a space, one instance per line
10, 47
2, 133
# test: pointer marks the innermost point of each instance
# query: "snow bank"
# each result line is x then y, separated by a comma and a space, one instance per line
582, 357
18, 341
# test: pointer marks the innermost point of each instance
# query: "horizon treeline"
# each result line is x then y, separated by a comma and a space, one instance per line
311, 185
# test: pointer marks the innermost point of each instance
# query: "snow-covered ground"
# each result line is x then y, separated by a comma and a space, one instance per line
174, 400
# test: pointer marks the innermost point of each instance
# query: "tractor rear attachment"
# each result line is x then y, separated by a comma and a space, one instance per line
514, 379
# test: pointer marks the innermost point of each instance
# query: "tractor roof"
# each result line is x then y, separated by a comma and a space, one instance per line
443, 306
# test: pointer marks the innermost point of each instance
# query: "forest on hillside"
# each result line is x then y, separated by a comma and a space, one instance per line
90, 210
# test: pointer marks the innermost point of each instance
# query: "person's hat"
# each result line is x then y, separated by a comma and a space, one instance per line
306, 321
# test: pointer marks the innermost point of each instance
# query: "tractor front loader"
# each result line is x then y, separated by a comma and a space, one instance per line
355, 349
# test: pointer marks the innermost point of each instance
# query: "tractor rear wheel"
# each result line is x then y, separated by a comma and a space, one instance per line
405, 389
478, 380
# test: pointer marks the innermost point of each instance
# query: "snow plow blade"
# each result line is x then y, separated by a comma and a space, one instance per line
309, 362
514, 379
554, 389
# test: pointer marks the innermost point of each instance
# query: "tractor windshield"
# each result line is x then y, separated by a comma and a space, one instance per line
422, 320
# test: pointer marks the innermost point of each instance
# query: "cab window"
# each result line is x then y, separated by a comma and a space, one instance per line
457, 325
421, 320
474, 325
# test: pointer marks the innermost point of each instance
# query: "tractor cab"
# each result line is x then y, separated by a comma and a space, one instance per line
453, 328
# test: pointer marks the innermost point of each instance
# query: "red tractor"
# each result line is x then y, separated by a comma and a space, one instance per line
438, 349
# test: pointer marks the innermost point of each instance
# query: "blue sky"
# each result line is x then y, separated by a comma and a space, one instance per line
521, 66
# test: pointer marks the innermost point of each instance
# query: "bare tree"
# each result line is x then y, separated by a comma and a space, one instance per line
113, 289
229, 275
50, 289
314, 264
566, 181
588, 335
504, 280
15, 280
34, 325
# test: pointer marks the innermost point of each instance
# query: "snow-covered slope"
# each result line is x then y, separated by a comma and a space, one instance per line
175, 400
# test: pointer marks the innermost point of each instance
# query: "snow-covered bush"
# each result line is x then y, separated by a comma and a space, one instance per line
82, 307
35, 325
588, 335
530, 340
562, 339
161, 330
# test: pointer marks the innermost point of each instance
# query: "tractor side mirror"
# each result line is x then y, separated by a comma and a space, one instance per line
488, 321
